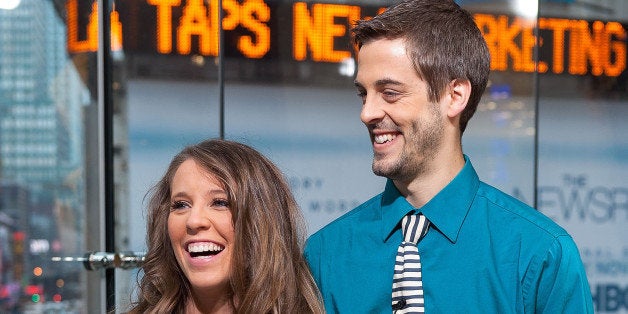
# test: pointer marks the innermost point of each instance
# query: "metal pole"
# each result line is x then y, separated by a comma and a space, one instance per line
106, 103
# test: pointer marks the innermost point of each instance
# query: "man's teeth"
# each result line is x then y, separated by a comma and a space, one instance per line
380, 139
204, 247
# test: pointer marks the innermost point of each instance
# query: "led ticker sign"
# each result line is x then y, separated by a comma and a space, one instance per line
315, 29
577, 47
179, 27
90, 35
319, 32
195, 22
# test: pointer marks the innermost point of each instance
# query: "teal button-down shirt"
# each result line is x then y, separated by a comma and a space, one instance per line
485, 252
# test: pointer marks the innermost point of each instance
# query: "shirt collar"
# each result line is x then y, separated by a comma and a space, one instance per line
446, 211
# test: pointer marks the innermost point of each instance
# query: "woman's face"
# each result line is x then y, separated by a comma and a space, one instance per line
200, 228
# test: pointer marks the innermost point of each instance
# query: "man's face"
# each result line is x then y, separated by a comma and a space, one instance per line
406, 129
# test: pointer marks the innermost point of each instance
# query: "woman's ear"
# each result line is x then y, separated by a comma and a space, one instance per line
459, 92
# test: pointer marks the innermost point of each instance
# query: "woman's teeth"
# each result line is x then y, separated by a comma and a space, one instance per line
204, 248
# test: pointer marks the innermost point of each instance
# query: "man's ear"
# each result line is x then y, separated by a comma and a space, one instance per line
459, 92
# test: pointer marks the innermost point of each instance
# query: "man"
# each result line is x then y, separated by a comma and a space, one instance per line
422, 68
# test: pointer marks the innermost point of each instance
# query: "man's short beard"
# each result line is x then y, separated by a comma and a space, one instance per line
421, 148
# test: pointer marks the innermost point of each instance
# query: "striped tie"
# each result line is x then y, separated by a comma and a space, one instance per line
407, 289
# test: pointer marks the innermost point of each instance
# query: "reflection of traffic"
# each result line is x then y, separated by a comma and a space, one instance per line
73, 306
29, 280
43, 293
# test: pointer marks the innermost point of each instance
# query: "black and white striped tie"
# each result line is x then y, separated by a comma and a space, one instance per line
407, 289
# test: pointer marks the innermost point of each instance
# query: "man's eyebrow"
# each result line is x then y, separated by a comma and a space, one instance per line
380, 82
387, 81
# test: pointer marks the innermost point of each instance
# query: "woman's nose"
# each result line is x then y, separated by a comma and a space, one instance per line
198, 219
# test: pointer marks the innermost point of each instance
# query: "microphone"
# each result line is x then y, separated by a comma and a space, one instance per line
399, 305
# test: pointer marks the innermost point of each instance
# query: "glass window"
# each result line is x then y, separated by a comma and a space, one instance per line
583, 148
42, 166
549, 129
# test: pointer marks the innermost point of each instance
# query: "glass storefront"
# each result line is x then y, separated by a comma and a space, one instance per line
582, 146
85, 132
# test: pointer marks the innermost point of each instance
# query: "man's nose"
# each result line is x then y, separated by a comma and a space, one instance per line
371, 111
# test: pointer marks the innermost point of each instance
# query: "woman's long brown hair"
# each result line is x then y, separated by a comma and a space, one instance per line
269, 273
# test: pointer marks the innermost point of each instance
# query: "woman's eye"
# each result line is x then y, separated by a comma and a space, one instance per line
220, 202
178, 205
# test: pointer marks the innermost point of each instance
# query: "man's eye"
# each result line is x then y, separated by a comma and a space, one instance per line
390, 95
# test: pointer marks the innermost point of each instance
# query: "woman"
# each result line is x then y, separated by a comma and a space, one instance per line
224, 236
